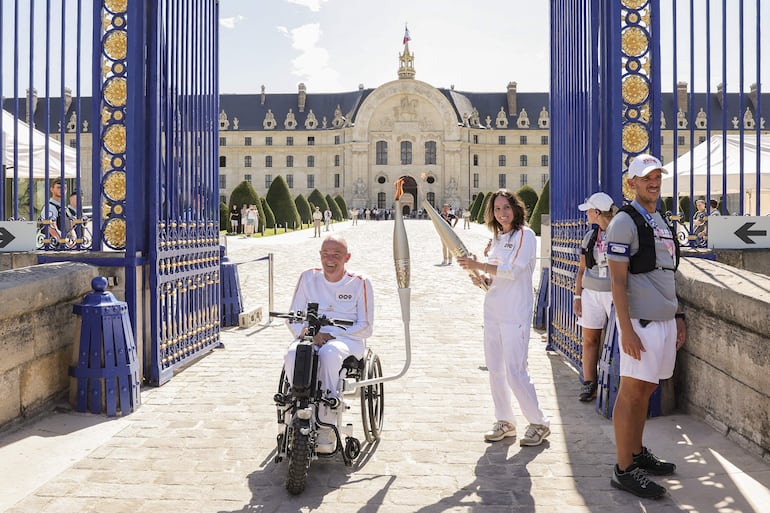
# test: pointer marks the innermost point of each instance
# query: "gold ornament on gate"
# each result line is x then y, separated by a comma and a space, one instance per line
635, 138
634, 41
635, 89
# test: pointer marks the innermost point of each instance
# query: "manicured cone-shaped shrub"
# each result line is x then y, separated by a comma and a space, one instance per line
303, 209
543, 207
269, 217
529, 197
684, 207
340, 201
281, 203
668, 204
336, 214
244, 194
316, 199
476, 205
224, 217
482, 210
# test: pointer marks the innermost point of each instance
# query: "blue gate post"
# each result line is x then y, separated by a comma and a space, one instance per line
107, 370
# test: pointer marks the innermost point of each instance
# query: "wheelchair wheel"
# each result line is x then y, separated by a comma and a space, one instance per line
372, 399
283, 384
300, 453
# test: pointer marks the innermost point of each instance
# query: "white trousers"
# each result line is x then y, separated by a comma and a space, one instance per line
330, 358
506, 349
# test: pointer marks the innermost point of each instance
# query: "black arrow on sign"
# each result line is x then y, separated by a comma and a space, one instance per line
744, 233
5, 237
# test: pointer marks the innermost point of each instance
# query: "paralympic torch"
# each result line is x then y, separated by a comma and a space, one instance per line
401, 261
450, 239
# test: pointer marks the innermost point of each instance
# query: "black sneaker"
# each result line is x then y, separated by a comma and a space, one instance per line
649, 462
588, 391
635, 480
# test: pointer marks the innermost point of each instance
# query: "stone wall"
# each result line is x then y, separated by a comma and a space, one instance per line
37, 334
723, 370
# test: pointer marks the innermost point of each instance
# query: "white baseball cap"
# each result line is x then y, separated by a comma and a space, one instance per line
599, 201
643, 164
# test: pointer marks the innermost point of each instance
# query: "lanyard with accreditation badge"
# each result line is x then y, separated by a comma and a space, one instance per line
655, 229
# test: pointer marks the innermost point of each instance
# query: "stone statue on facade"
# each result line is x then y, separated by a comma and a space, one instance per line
269, 121
502, 119
543, 120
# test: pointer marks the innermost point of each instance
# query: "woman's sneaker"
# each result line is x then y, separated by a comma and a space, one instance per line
500, 429
588, 391
635, 480
649, 462
535, 435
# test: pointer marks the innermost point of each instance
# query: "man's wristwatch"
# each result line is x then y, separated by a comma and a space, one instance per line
679, 315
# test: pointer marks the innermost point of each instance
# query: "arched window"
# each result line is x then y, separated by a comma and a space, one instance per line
382, 153
380, 200
501, 160
523, 161
430, 152
406, 153
431, 197
247, 161
268, 161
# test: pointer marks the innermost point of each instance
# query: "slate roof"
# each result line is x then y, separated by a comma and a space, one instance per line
251, 112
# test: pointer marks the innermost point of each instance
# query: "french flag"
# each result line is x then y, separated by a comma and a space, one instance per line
407, 37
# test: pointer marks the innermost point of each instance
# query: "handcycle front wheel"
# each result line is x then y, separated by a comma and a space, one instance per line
372, 399
300, 454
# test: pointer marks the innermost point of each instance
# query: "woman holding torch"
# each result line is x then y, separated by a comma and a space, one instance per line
507, 317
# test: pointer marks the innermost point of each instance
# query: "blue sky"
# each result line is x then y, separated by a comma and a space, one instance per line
335, 45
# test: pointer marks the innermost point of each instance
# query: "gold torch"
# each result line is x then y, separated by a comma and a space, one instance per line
401, 261
451, 240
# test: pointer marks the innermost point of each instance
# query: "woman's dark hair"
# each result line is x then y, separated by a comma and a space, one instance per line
519, 211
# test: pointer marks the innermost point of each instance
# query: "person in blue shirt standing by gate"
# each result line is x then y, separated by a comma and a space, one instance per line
643, 254
593, 297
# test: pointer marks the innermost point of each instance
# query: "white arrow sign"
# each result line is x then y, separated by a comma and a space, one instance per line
17, 236
738, 232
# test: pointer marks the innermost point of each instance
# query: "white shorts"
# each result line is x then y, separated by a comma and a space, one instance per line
659, 356
596, 308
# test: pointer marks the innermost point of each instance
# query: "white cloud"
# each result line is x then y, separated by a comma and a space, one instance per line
313, 5
283, 30
312, 64
229, 23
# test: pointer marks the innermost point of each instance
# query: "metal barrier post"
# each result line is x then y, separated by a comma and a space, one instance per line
269, 320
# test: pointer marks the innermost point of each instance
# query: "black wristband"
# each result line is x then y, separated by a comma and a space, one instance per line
679, 315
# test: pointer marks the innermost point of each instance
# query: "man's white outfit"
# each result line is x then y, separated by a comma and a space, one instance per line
508, 308
351, 299
327, 218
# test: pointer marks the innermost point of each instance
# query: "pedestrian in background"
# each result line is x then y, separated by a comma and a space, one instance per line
235, 219
592, 301
508, 306
451, 219
317, 218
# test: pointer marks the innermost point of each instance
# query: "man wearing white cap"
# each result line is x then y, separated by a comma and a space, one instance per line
643, 255
592, 301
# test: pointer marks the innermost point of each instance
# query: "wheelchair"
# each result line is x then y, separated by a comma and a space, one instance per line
298, 401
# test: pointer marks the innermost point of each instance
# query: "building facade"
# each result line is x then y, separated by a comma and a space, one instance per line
447, 145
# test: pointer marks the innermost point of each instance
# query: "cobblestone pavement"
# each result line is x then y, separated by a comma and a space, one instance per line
205, 441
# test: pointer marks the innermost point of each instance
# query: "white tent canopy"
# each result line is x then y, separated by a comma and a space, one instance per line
706, 160
34, 151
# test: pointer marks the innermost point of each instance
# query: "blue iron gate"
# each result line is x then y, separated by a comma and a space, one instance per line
150, 132
181, 123
611, 62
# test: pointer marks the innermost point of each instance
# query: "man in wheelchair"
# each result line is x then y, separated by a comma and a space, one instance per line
340, 294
